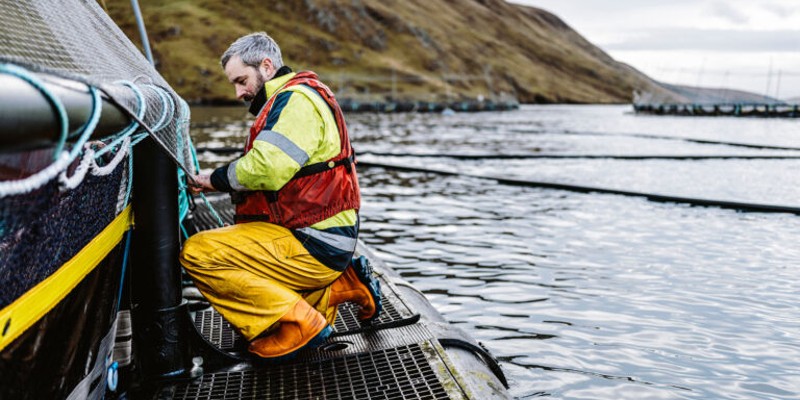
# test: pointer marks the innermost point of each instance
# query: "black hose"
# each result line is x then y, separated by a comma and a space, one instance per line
589, 156
237, 150
750, 207
682, 139
220, 150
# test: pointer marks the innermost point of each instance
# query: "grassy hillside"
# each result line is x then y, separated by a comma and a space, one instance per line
417, 49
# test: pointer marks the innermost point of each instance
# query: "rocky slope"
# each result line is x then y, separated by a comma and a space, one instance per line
412, 49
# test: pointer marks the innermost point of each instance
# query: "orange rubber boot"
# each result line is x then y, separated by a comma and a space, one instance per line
356, 284
302, 326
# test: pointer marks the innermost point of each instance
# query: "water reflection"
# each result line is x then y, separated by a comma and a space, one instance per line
586, 295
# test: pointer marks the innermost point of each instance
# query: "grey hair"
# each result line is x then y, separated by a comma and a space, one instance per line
254, 48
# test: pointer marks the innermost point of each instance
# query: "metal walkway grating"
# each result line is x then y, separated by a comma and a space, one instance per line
347, 318
219, 332
359, 361
397, 373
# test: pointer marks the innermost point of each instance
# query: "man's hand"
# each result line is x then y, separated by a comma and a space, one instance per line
202, 183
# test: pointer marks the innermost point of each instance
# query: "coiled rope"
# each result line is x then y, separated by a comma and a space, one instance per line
133, 126
121, 142
167, 103
62, 158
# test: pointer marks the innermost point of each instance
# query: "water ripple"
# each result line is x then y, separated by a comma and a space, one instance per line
589, 296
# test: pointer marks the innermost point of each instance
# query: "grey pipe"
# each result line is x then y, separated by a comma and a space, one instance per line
27, 120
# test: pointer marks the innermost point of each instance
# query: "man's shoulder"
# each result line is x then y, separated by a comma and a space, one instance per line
294, 97
308, 93
307, 96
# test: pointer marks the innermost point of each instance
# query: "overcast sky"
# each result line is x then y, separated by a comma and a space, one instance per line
752, 45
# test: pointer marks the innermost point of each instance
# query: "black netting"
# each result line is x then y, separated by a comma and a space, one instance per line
42, 225
43, 229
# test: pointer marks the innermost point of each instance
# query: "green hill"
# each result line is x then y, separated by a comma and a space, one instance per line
416, 49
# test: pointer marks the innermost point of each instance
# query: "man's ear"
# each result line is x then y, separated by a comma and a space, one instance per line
266, 63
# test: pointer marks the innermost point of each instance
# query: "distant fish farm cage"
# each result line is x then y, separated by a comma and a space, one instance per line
725, 109
350, 105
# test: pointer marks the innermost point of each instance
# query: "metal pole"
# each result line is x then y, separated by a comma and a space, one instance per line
394, 84
160, 334
28, 121
142, 31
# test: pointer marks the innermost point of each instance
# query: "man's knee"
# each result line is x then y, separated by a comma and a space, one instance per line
196, 250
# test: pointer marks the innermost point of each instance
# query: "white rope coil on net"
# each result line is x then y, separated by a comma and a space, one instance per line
71, 182
124, 149
37, 180
60, 169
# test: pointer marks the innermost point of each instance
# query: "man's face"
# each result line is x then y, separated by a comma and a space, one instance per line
247, 80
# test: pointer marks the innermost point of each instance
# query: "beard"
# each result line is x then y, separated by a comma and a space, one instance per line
261, 79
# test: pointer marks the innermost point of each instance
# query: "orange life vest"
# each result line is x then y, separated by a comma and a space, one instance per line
317, 191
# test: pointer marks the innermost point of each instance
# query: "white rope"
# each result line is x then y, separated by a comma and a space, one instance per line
98, 170
71, 182
37, 180
59, 169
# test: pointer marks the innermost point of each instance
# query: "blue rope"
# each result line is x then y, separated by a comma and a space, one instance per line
166, 100
114, 143
124, 265
184, 195
183, 192
142, 107
133, 126
205, 200
135, 139
128, 131
197, 168
91, 124
51, 98
213, 211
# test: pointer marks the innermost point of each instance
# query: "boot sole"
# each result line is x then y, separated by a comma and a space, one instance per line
363, 270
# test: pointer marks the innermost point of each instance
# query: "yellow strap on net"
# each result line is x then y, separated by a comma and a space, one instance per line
20, 315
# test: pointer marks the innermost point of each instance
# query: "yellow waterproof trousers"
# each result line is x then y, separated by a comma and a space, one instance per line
254, 273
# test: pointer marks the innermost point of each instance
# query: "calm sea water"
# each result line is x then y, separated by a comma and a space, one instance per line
591, 296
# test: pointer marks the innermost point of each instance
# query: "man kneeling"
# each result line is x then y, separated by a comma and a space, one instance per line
279, 273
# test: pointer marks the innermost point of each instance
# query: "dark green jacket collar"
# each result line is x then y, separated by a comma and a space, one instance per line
261, 97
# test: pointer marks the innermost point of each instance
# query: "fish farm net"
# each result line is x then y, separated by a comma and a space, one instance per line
53, 202
43, 229
76, 39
